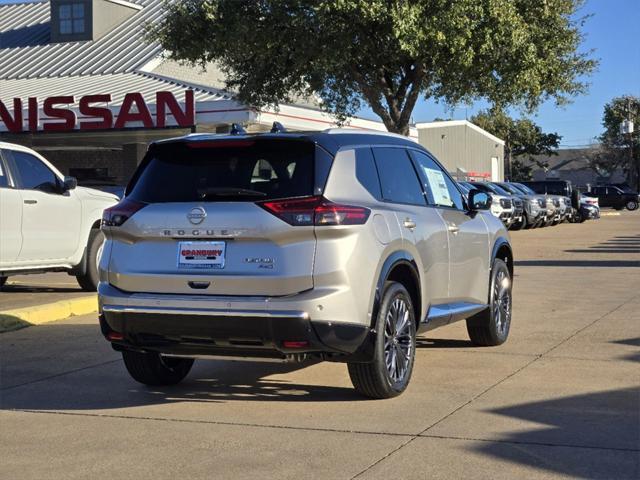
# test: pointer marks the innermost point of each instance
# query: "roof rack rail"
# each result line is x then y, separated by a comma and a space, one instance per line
278, 128
237, 129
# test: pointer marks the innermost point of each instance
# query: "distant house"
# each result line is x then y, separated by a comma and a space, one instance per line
572, 164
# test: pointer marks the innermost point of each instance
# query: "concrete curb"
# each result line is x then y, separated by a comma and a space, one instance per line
51, 312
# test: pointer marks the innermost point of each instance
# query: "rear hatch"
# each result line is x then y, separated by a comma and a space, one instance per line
201, 217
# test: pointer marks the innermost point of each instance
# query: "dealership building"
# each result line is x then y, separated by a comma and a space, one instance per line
80, 84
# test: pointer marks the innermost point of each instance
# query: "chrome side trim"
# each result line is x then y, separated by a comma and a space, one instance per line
445, 313
206, 312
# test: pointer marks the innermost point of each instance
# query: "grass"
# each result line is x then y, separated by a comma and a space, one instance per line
9, 323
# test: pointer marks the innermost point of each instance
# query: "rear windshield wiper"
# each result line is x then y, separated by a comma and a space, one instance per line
229, 192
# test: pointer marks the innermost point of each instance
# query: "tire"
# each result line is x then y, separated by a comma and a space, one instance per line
491, 327
3, 280
631, 205
384, 376
522, 224
89, 281
154, 369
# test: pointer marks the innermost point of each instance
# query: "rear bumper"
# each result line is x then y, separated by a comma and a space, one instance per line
197, 331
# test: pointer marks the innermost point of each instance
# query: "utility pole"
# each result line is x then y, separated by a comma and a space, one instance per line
626, 128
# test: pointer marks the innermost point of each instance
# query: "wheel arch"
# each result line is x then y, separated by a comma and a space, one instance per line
502, 250
399, 267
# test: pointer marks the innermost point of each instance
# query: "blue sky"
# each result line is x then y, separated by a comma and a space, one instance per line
613, 32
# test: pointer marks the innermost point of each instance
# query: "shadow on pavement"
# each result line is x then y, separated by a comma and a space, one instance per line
422, 342
632, 357
604, 250
20, 288
602, 420
70, 367
578, 263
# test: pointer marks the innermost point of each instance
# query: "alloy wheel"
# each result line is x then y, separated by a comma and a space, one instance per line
398, 344
502, 302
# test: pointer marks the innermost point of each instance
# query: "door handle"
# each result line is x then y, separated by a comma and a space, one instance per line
199, 285
30, 202
453, 228
409, 223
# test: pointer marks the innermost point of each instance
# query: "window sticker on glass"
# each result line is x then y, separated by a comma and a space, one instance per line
438, 186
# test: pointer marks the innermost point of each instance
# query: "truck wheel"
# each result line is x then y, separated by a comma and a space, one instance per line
3, 280
89, 281
631, 205
154, 369
491, 327
388, 374
521, 224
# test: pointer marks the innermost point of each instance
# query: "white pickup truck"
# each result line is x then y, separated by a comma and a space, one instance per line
47, 222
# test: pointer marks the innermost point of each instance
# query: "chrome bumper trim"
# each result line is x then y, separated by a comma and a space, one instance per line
205, 312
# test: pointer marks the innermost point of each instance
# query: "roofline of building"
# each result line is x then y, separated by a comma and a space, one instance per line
124, 3
455, 123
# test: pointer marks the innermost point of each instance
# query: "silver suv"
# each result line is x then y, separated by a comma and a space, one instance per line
334, 245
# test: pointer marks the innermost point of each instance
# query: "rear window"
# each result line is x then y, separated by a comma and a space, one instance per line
557, 188
242, 170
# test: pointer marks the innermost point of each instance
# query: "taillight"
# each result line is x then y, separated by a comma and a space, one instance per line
316, 211
120, 213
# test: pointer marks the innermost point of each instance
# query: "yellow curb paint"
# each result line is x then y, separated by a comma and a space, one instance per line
55, 311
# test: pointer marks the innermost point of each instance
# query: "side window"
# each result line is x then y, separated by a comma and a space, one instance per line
4, 175
366, 172
33, 174
442, 190
397, 176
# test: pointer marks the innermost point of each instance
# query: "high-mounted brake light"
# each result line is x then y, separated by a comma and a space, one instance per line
120, 213
221, 144
316, 211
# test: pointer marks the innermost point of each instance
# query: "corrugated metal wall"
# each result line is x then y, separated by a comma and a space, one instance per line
460, 146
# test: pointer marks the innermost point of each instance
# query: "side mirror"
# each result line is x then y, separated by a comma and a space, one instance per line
69, 183
479, 200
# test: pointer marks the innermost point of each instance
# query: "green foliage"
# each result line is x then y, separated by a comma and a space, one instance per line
523, 140
384, 53
614, 153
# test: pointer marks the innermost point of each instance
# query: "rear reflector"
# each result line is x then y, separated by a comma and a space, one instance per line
114, 336
316, 211
120, 213
292, 344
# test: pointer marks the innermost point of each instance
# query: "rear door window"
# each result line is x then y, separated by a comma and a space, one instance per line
443, 191
366, 172
398, 178
243, 170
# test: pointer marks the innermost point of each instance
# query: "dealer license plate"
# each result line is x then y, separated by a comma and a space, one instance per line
201, 254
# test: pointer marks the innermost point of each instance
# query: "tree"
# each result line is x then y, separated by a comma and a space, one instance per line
620, 151
384, 53
523, 140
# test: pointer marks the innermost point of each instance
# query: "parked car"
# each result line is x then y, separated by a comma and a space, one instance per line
564, 195
109, 187
332, 245
534, 204
615, 197
517, 215
502, 206
47, 222
553, 203
588, 210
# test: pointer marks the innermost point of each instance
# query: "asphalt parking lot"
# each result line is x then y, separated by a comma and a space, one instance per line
560, 399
